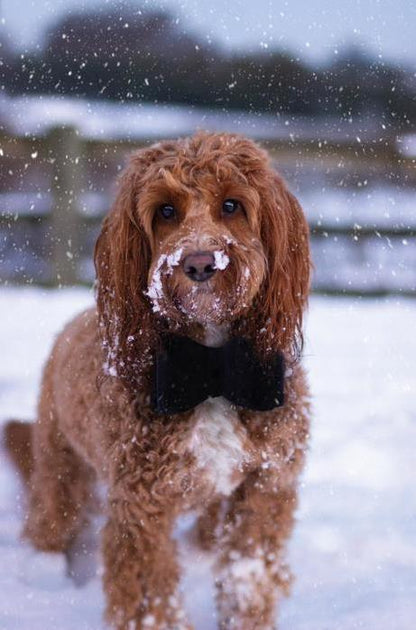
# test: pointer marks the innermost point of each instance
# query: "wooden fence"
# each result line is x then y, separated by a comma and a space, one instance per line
47, 232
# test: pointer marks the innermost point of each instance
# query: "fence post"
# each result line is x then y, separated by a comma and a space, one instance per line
64, 148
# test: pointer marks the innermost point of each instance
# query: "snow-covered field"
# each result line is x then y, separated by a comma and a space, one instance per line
354, 549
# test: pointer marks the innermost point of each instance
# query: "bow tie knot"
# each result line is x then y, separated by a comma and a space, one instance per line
186, 373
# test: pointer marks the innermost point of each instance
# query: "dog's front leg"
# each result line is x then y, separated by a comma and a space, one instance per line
251, 569
141, 573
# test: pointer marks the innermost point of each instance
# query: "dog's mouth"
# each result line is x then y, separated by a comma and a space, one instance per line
204, 308
205, 287
188, 282
198, 301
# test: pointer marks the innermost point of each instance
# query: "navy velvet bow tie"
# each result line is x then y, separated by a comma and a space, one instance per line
186, 373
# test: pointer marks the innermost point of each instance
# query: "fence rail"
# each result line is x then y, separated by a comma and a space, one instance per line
47, 235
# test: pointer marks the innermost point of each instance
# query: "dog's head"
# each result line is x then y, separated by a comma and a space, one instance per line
203, 231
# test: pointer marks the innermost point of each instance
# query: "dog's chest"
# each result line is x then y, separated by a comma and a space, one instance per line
219, 443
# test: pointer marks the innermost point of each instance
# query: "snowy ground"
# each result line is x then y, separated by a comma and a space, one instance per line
354, 549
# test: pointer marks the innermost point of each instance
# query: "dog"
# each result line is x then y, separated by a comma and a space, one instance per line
203, 270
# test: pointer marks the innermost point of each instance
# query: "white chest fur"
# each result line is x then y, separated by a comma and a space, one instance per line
218, 442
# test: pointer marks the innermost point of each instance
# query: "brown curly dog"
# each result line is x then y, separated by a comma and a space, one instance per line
204, 242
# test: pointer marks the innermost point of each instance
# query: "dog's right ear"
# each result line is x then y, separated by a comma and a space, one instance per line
122, 258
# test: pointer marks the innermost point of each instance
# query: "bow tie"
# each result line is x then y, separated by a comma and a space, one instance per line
186, 373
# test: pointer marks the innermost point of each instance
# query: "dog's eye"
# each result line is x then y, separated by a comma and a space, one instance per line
230, 206
167, 211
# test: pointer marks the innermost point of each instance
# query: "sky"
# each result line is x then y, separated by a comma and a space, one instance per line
314, 30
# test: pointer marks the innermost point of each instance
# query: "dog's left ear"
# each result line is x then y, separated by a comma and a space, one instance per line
122, 257
284, 294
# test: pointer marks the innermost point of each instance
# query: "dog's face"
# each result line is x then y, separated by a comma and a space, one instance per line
202, 221
203, 231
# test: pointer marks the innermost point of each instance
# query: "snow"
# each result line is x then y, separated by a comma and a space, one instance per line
94, 119
371, 206
407, 145
155, 289
242, 578
28, 115
221, 260
354, 547
374, 262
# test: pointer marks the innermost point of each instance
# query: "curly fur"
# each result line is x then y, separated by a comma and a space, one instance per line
238, 468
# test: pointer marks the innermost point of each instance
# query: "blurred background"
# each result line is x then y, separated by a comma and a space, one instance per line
328, 89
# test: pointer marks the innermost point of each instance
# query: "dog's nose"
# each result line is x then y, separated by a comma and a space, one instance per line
200, 266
